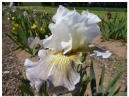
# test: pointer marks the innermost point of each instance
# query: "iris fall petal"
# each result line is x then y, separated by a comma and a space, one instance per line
56, 69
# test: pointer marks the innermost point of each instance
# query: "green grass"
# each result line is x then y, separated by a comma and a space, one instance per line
90, 8
31, 3
100, 11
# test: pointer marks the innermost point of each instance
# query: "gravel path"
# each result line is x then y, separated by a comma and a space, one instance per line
10, 64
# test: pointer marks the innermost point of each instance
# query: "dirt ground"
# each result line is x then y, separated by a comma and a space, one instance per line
10, 64
115, 46
13, 63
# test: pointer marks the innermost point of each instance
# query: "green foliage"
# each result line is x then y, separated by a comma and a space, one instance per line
25, 87
82, 85
100, 88
31, 3
113, 82
114, 28
110, 90
82, 57
21, 28
43, 90
113, 67
84, 79
92, 79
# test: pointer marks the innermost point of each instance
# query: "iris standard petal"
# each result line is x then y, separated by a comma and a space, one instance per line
71, 30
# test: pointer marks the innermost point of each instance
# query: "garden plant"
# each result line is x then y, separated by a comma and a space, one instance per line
114, 27
62, 43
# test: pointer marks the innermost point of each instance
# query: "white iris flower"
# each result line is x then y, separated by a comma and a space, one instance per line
71, 32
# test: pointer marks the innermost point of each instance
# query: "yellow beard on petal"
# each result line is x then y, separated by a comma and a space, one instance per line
62, 61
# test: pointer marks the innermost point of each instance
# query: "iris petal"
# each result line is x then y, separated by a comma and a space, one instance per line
57, 69
71, 30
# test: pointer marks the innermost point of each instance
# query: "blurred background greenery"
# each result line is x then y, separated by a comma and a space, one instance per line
51, 7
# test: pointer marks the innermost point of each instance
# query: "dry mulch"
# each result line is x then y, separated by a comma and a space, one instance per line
13, 63
10, 64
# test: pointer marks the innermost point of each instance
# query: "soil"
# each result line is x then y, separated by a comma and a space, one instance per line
10, 64
13, 63
115, 46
